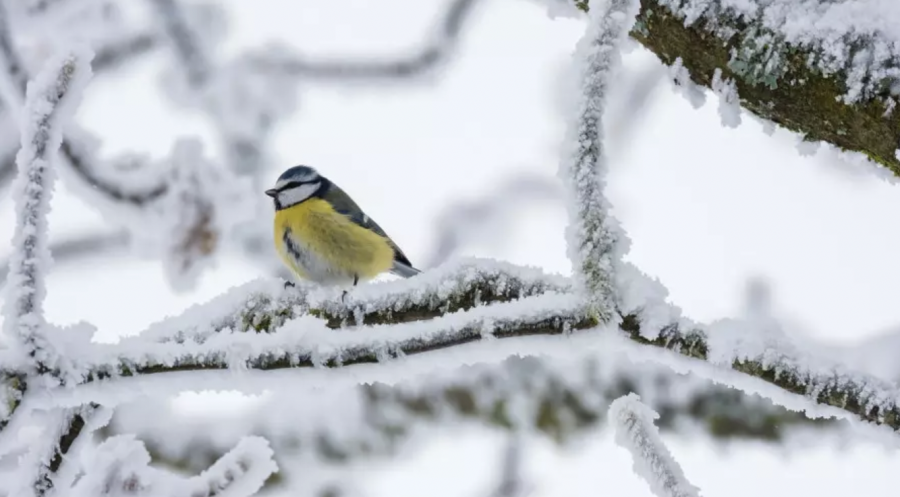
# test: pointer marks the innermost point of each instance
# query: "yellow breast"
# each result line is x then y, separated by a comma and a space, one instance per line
329, 241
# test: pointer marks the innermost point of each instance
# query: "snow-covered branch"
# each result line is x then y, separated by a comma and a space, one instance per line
83, 164
570, 396
121, 466
45, 457
636, 432
595, 242
298, 332
820, 68
50, 102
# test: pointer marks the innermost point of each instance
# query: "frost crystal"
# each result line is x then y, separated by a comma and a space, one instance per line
681, 79
595, 241
857, 38
653, 462
729, 102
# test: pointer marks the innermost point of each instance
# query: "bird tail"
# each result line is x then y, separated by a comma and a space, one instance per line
404, 270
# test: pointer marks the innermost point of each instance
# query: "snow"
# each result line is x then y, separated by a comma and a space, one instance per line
120, 466
51, 100
636, 432
595, 241
729, 102
681, 79
856, 37
213, 332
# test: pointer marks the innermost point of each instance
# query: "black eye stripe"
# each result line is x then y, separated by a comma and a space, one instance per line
295, 184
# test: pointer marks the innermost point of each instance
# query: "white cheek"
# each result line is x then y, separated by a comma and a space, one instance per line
298, 194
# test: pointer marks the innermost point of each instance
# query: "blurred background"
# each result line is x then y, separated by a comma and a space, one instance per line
443, 120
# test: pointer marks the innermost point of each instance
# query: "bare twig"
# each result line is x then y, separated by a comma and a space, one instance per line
111, 56
863, 396
458, 220
435, 52
89, 244
194, 61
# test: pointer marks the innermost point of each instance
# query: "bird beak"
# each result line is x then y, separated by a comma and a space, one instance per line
272, 193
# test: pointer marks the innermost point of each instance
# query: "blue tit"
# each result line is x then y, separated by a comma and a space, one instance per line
323, 236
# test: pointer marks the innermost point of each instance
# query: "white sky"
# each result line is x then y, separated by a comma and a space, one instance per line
706, 207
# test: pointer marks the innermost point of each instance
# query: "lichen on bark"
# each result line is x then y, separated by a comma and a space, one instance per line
775, 79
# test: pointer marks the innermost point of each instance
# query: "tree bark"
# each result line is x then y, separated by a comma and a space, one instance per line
794, 95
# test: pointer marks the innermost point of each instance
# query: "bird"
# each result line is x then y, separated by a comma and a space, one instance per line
322, 236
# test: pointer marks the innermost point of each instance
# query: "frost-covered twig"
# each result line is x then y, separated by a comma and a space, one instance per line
595, 242
50, 102
46, 456
307, 342
222, 334
636, 432
85, 167
121, 466
571, 398
263, 306
431, 55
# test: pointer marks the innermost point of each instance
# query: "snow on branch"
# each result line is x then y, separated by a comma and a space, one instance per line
120, 466
37, 470
570, 395
840, 60
263, 326
263, 306
50, 102
636, 432
595, 242
92, 181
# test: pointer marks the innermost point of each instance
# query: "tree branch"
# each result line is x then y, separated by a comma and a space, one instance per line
795, 80
652, 460
434, 52
44, 460
49, 99
121, 466
271, 317
594, 239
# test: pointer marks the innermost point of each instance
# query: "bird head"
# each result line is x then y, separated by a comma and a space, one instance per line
295, 185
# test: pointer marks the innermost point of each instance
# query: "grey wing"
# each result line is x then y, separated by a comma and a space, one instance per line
345, 205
